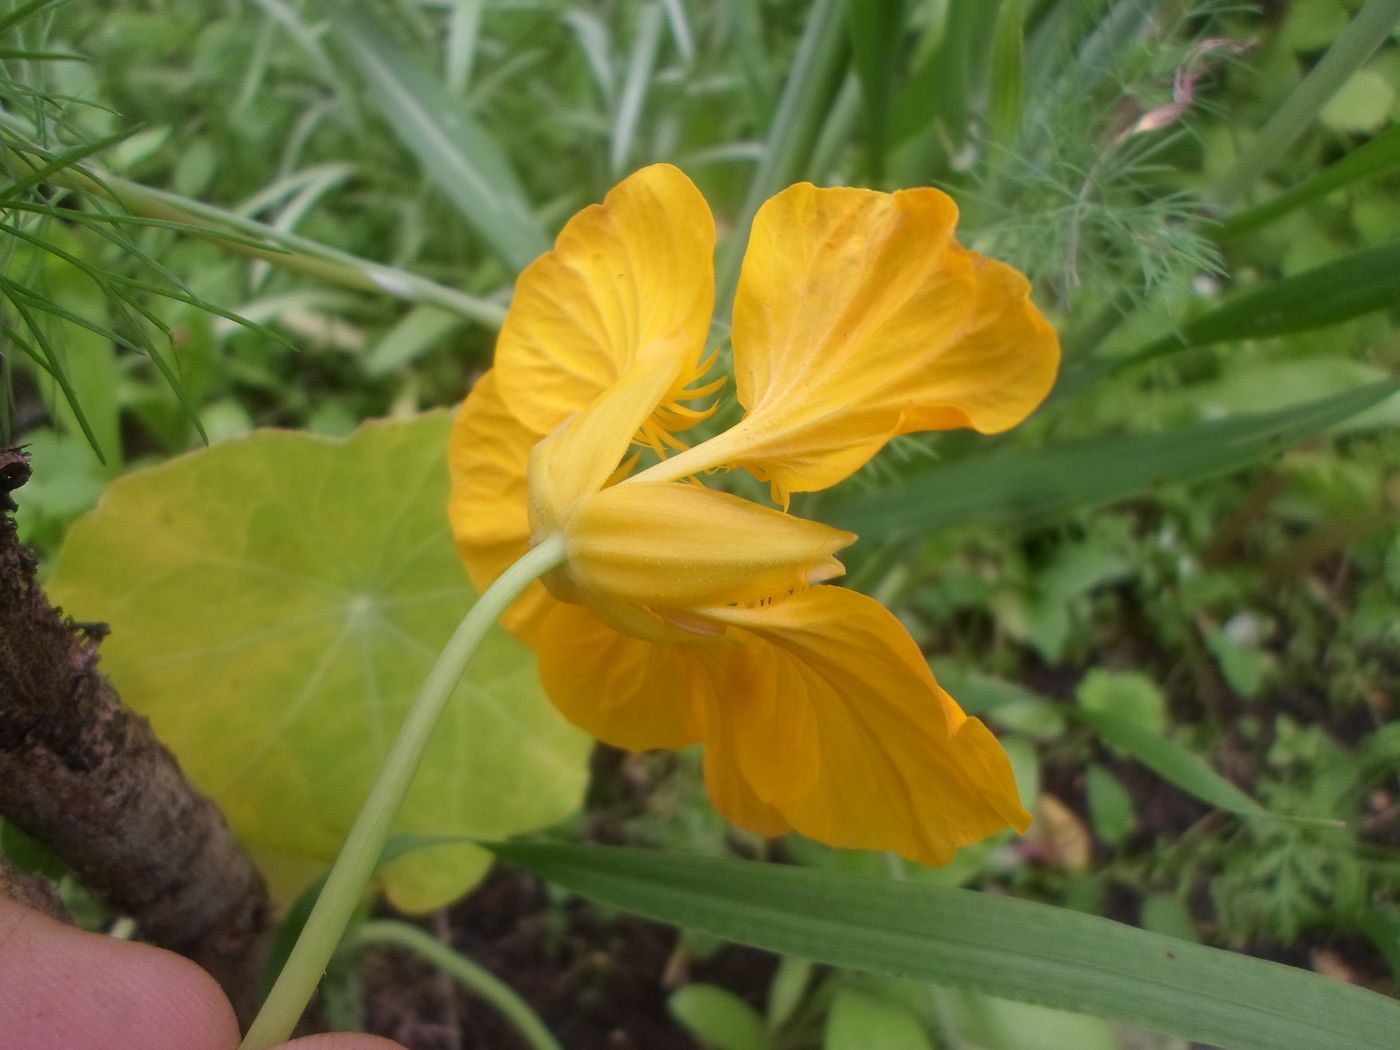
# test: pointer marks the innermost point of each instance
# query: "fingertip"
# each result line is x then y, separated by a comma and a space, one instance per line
63, 988
356, 1041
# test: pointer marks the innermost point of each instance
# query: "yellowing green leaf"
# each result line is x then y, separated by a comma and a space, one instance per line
275, 603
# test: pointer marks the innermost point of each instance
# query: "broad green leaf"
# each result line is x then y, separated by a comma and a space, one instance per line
461, 157
1360, 105
1111, 807
860, 1020
1127, 695
1022, 484
275, 603
996, 945
717, 1018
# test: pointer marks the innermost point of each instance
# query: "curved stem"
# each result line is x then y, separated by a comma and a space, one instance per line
475, 978
363, 845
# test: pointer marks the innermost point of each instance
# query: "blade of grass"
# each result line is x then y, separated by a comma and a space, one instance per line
1334, 292
681, 34
54, 164
1007, 73
748, 40
417, 331
960, 73
1024, 484
841, 120
991, 944
875, 28
1180, 766
463, 35
147, 350
476, 979
815, 75
1353, 46
461, 157
1376, 158
295, 210
22, 12
634, 87
23, 55
22, 299
286, 250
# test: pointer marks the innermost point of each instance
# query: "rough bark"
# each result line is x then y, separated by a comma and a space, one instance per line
88, 778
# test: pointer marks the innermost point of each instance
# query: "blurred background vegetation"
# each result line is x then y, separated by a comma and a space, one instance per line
1173, 592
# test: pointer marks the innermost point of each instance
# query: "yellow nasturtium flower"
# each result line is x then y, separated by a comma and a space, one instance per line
685, 614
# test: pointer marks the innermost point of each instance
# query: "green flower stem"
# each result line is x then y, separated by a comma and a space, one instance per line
476, 979
363, 845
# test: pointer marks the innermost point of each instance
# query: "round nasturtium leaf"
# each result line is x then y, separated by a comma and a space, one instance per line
275, 603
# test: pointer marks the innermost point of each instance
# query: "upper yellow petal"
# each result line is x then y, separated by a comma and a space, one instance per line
676, 546
627, 289
487, 455
831, 718
859, 317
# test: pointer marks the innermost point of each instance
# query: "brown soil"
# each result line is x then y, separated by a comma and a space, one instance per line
600, 982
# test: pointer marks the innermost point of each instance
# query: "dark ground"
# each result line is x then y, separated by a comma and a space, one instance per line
598, 982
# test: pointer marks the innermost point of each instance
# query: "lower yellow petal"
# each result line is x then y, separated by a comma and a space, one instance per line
625, 691
832, 720
487, 456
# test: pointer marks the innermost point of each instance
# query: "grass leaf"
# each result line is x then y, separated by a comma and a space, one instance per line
1378, 157
996, 945
1026, 483
461, 157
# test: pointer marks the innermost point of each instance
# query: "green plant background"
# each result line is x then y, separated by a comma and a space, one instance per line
1172, 592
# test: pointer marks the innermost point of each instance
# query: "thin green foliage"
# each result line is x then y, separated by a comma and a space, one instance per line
997, 945
1072, 185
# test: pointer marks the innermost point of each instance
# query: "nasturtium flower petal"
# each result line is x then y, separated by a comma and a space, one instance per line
487, 455
628, 289
859, 317
625, 691
579, 458
675, 545
682, 614
834, 720
1003, 366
